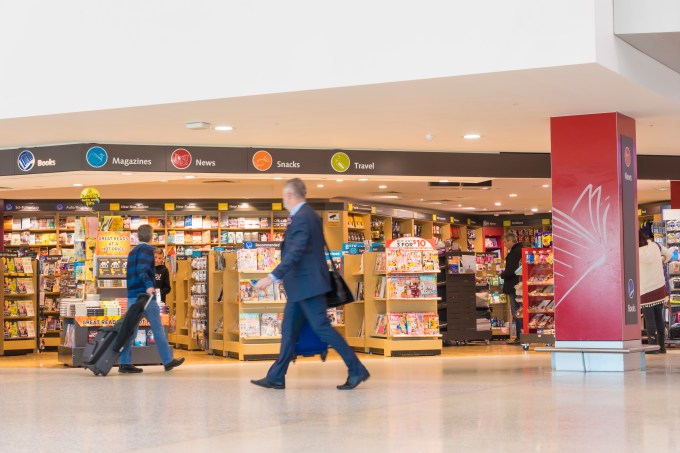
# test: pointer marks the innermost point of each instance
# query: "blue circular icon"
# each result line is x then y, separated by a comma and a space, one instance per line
631, 288
96, 157
60, 207
26, 160
9, 207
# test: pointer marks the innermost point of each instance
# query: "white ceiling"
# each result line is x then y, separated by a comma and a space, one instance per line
510, 110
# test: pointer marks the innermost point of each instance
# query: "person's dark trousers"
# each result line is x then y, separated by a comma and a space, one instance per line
654, 324
294, 315
514, 306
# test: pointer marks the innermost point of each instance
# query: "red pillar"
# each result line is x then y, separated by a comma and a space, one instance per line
675, 194
594, 180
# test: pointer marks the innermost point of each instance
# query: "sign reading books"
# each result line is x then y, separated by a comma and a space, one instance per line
113, 243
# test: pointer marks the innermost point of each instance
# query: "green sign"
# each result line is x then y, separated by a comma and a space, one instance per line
340, 162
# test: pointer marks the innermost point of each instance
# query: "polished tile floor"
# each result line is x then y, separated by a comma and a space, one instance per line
474, 398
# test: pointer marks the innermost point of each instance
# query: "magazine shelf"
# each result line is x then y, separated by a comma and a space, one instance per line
252, 319
353, 272
19, 315
538, 297
401, 299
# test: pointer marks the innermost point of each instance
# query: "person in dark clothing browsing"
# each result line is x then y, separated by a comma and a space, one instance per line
162, 281
510, 279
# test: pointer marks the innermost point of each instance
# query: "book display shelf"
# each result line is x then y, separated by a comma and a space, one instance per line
401, 298
19, 317
199, 306
354, 313
180, 314
490, 287
216, 310
538, 296
49, 295
252, 319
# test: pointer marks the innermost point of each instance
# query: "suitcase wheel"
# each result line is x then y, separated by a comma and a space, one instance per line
324, 355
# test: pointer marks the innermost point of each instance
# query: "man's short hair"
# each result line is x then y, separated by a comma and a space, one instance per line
510, 237
145, 233
297, 187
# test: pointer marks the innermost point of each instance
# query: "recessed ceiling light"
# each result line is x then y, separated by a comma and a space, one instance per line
513, 195
197, 125
534, 209
498, 203
469, 208
545, 185
471, 136
244, 205
662, 189
382, 186
339, 180
460, 205
391, 196
443, 180
436, 202
164, 180
362, 179
224, 128
189, 177
77, 184
127, 173
319, 185
277, 177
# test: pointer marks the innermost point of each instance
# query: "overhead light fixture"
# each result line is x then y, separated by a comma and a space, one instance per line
197, 125
391, 196
436, 202
498, 203
460, 205
277, 177
362, 179
469, 208
382, 186
443, 180
75, 184
127, 173
534, 209
319, 185
339, 180
224, 128
512, 195
189, 177
163, 180
545, 186
662, 189
244, 205
471, 136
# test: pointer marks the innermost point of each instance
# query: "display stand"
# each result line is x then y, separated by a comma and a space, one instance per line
252, 321
216, 311
19, 300
538, 297
49, 295
353, 272
180, 307
401, 305
667, 233
489, 282
198, 310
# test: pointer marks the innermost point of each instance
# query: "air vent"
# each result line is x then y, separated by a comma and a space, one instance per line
219, 181
484, 185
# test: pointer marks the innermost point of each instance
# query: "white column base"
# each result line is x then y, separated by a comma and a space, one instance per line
603, 357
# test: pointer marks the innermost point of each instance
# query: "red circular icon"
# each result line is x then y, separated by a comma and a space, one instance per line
181, 158
626, 153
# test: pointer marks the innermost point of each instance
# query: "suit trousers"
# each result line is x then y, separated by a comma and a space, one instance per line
314, 310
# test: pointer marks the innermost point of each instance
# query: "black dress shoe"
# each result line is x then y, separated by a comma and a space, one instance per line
266, 383
353, 381
174, 364
131, 369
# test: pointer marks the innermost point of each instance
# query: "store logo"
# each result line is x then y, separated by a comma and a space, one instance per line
626, 154
9, 207
181, 158
340, 162
262, 160
59, 206
631, 288
96, 157
26, 160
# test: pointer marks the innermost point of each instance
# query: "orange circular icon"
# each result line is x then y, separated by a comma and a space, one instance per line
262, 160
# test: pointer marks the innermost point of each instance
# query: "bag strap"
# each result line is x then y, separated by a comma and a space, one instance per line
326, 249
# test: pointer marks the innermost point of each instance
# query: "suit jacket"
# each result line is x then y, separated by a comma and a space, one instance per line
303, 265
512, 262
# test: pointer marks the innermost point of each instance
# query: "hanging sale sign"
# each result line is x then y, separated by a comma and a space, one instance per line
411, 243
113, 243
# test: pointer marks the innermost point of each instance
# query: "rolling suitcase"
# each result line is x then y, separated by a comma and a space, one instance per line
102, 353
309, 344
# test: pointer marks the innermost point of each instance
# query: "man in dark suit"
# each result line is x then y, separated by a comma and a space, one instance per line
305, 277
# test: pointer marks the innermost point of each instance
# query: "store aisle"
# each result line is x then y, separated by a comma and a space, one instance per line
442, 404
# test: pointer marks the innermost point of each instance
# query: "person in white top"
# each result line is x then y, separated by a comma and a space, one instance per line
653, 289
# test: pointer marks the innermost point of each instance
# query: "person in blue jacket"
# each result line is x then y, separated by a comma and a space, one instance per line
304, 272
141, 278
